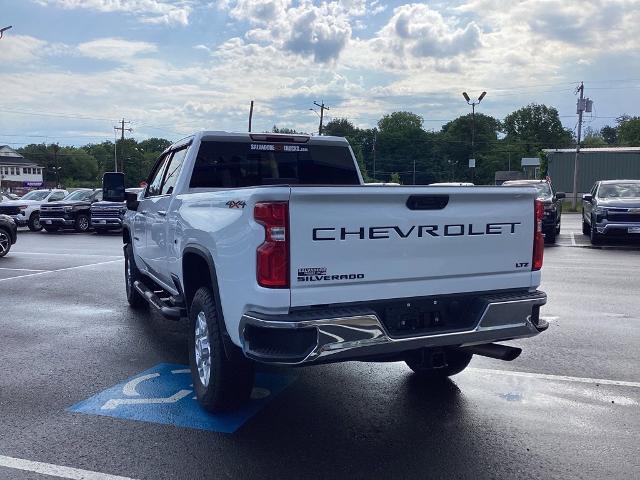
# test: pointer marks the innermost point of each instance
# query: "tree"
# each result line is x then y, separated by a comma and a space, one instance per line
593, 139
629, 131
535, 127
340, 127
454, 147
609, 135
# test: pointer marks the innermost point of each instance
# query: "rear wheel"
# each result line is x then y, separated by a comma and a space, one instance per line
438, 364
34, 222
5, 242
50, 229
221, 384
82, 223
131, 274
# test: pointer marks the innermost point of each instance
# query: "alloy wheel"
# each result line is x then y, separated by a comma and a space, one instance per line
202, 349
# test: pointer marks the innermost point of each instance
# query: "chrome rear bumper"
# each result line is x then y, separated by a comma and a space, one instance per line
354, 333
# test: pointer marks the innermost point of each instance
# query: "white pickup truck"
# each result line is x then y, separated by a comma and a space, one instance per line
277, 253
26, 210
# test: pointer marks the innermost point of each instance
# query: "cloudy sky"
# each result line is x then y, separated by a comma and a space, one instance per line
71, 68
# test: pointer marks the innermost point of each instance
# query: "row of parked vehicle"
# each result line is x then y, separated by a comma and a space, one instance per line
55, 209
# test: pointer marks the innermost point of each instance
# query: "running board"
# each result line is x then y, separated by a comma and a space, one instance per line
172, 311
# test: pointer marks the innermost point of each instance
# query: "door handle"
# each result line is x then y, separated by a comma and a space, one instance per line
162, 213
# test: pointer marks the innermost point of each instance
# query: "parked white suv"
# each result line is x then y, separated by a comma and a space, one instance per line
26, 210
277, 253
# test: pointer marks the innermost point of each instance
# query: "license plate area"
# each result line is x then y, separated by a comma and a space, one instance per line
430, 315
633, 230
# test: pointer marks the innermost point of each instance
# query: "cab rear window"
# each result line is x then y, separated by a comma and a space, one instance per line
236, 164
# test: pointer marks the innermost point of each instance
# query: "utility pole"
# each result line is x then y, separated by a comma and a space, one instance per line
374, 155
322, 109
56, 147
250, 115
583, 105
122, 130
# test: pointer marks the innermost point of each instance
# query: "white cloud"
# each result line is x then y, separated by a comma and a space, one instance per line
20, 49
417, 30
114, 49
149, 11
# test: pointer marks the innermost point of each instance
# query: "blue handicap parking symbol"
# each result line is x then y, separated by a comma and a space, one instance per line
164, 394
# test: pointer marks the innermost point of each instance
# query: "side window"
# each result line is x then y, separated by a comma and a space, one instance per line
173, 171
593, 190
155, 180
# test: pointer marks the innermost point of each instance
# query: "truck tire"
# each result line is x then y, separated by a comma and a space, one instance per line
550, 237
131, 274
34, 222
5, 242
586, 229
422, 363
221, 384
595, 237
82, 223
50, 229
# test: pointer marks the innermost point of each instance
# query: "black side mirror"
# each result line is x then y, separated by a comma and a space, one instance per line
132, 200
587, 198
561, 195
113, 187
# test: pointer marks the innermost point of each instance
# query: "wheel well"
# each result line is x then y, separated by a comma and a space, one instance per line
195, 274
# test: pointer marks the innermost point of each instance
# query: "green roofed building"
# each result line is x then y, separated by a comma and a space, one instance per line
608, 163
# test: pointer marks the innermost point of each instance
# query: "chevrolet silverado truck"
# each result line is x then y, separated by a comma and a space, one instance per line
26, 210
611, 209
277, 253
74, 212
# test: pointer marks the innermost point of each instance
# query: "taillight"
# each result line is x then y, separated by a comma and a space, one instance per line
273, 255
538, 238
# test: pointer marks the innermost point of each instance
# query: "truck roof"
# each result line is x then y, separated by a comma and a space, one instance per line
267, 137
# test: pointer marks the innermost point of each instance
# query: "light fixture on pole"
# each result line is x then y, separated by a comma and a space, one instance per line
473, 125
2, 30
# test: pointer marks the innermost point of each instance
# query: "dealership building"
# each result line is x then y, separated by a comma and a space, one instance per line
609, 163
18, 174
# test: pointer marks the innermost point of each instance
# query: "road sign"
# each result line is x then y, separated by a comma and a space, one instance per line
472, 163
164, 394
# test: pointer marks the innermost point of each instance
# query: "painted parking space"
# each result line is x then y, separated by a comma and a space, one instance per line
164, 394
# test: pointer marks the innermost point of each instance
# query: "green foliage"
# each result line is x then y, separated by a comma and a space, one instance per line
609, 134
84, 166
629, 131
395, 178
290, 131
535, 127
593, 139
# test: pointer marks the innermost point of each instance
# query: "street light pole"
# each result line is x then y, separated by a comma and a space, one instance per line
2, 30
473, 122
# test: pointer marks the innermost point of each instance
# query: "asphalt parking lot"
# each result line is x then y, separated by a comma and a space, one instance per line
72, 349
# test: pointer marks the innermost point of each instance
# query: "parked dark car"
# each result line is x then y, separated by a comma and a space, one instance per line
8, 234
552, 200
611, 208
74, 212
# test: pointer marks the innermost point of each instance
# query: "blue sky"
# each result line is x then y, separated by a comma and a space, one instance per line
71, 68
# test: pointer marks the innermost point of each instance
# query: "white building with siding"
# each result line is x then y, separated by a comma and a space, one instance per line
18, 174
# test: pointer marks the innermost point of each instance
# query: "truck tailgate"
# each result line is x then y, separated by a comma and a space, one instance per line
351, 244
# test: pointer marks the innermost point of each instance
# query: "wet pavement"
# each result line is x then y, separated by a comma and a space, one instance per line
567, 408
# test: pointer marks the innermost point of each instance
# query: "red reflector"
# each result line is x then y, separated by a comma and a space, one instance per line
538, 238
272, 263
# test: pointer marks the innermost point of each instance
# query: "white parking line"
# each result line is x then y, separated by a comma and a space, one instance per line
60, 270
561, 378
56, 470
21, 269
13, 253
